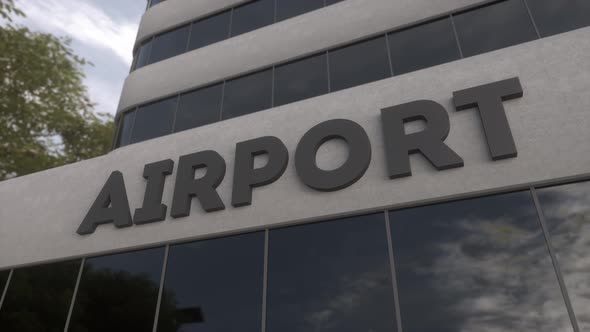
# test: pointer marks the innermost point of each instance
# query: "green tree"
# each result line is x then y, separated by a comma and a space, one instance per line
46, 116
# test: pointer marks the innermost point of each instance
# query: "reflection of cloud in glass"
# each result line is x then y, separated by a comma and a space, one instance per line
476, 265
567, 209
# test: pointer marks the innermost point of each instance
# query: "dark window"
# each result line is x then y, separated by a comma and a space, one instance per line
331, 277
247, 94
199, 108
331, 2
553, 17
210, 30
493, 27
118, 292
169, 44
154, 120
144, 54
124, 137
252, 15
38, 298
423, 46
359, 64
567, 212
155, 2
214, 285
290, 8
3, 279
476, 265
301, 79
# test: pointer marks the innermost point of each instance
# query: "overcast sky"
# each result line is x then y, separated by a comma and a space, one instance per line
103, 32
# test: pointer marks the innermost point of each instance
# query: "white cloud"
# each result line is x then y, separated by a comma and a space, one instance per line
83, 22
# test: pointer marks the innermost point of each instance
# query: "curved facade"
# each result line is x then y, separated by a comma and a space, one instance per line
336, 166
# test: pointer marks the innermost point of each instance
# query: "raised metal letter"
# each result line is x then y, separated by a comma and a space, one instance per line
111, 205
352, 170
246, 177
152, 209
203, 188
488, 98
429, 142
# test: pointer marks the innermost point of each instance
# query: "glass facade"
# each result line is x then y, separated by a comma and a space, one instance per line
460, 34
480, 264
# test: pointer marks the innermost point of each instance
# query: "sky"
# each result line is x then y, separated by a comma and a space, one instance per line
102, 32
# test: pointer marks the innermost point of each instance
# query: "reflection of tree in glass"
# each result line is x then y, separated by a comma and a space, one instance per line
174, 319
38, 298
118, 301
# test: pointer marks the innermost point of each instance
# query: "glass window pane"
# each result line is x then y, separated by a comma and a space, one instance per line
118, 292
199, 108
252, 15
359, 64
169, 44
476, 265
248, 94
493, 27
291, 8
553, 17
567, 212
144, 53
214, 285
331, 2
423, 46
301, 79
38, 298
155, 2
125, 131
330, 277
154, 120
210, 30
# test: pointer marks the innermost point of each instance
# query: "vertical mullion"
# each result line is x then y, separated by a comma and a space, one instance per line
398, 315
132, 128
222, 98
5, 290
188, 40
173, 130
526, 5
74, 295
161, 289
328, 70
556, 267
265, 280
272, 88
231, 21
391, 71
456, 36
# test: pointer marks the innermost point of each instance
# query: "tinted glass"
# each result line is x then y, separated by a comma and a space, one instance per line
169, 44
251, 16
125, 130
38, 298
493, 27
301, 80
247, 94
359, 64
423, 46
290, 8
330, 2
199, 108
331, 277
118, 292
476, 265
155, 2
214, 285
144, 53
554, 17
154, 120
567, 212
210, 30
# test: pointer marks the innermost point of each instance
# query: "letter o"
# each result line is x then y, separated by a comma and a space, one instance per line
359, 156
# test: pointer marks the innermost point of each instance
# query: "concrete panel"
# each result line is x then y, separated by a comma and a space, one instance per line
172, 13
39, 214
293, 38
